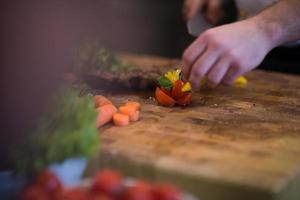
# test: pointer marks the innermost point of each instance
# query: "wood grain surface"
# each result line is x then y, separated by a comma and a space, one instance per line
230, 143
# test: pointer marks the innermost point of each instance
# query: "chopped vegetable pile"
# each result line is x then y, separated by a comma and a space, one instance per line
173, 89
107, 185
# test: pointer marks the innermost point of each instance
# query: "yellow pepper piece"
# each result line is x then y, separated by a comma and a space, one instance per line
173, 76
241, 81
187, 87
203, 82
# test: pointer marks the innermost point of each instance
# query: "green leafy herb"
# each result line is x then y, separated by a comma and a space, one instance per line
165, 82
68, 130
91, 56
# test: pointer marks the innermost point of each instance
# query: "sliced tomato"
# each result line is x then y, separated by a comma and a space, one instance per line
34, 192
50, 183
75, 194
163, 98
166, 91
177, 89
168, 192
108, 182
141, 191
185, 100
96, 196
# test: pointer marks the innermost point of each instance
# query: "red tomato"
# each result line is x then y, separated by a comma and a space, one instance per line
141, 191
168, 192
167, 92
163, 98
108, 182
50, 183
34, 192
75, 194
176, 91
96, 196
185, 100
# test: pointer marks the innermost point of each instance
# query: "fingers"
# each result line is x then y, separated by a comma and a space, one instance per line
202, 66
217, 72
214, 12
232, 74
191, 7
195, 50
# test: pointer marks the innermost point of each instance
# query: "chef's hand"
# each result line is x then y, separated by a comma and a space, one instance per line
211, 9
223, 53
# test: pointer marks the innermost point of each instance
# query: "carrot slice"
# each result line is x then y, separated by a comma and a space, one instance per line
135, 104
121, 119
105, 115
163, 99
101, 101
135, 117
127, 110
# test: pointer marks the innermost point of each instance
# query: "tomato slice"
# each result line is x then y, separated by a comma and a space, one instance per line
75, 194
163, 98
34, 192
50, 183
108, 182
166, 91
141, 191
185, 100
168, 192
177, 89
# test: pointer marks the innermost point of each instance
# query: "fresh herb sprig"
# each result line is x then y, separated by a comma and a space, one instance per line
68, 130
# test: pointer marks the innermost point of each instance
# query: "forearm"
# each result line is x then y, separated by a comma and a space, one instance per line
280, 22
250, 8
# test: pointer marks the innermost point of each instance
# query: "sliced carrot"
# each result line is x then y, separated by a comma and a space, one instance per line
135, 104
127, 110
101, 101
105, 115
163, 98
135, 117
121, 119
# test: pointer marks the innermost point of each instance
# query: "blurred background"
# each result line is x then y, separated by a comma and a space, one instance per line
39, 38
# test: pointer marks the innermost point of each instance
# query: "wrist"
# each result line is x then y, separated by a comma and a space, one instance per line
269, 30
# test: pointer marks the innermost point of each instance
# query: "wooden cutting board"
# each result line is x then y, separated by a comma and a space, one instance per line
230, 143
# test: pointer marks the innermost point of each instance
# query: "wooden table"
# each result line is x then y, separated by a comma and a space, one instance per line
230, 143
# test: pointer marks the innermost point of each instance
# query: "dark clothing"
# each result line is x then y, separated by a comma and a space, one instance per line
283, 59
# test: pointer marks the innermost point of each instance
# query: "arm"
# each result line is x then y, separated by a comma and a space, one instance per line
281, 21
222, 54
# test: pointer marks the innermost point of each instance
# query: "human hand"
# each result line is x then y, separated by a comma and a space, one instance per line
223, 53
211, 9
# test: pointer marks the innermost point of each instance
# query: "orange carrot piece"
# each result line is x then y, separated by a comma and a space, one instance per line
101, 101
105, 115
121, 119
127, 110
135, 117
135, 104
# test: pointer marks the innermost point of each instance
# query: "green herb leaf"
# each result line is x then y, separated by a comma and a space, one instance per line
68, 130
165, 83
